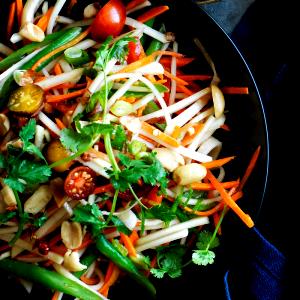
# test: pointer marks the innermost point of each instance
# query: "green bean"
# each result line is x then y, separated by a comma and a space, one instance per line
17, 55
48, 278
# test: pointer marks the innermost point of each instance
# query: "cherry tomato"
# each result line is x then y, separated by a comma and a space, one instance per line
80, 183
110, 20
135, 51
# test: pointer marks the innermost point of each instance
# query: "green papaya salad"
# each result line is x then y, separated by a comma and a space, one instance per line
109, 166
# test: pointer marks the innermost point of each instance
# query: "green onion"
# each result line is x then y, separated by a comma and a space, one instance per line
76, 56
136, 147
121, 108
17, 55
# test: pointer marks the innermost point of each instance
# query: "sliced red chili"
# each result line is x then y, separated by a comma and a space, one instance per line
80, 183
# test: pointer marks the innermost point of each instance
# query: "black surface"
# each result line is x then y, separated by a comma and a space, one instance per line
248, 131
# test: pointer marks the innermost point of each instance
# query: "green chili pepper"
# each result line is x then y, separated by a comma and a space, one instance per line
155, 44
17, 55
68, 36
149, 23
48, 278
108, 250
86, 260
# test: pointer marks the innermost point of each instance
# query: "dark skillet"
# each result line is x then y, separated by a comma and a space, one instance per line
248, 130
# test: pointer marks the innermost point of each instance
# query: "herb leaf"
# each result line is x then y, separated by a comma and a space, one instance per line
89, 215
169, 260
119, 138
205, 241
81, 141
149, 169
7, 216
162, 212
203, 257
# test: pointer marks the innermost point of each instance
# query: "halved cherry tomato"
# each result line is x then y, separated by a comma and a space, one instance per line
80, 183
110, 20
135, 51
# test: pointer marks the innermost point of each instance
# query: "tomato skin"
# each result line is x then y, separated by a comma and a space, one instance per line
135, 51
80, 183
110, 20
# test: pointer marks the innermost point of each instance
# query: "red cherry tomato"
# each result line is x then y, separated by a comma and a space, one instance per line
80, 183
110, 20
135, 51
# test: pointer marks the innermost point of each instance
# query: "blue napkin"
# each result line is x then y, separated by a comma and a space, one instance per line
260, 272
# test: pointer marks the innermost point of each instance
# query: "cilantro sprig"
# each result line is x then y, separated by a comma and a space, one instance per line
148, 168
22, 171
169, 261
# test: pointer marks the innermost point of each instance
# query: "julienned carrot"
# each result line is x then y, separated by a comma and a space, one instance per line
218, 162
180, 61
103, 189
228, 200
137, 64
85, 243
62, 48
19, 7
57, 69
184, 89
89, 281
160, 135
189, 138
55, 295
110, 278
147, 60
11, 19
177, 79
128, 244
134, 237
72, 3
250, 167
59, 98
134, 3
152, 13
195, 77
235, 90
44, 20
201, 186
211, 211
60, 124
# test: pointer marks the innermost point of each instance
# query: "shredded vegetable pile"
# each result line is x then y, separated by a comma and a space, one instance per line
109, 166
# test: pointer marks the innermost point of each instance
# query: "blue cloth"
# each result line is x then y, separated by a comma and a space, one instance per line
260, 274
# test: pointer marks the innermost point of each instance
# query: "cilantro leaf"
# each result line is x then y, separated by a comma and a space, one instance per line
7, 216
89, 215
169, 261
3, 163
81, 141
120, 225
203, 257
148, 168
119, 138
158, 273
205, 241
23, 173
27, 132
162, 212
117, 50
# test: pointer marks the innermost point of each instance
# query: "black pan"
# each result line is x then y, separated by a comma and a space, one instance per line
247, 121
